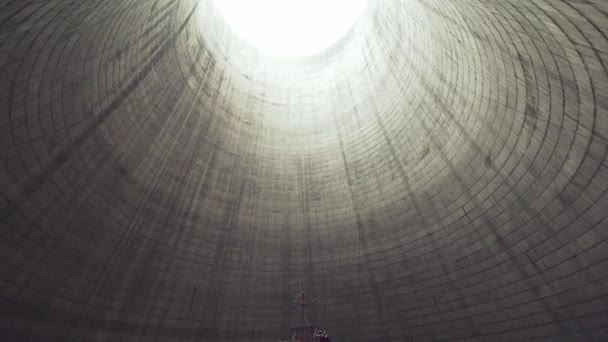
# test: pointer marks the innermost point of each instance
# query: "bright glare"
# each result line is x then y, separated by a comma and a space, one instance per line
290, 27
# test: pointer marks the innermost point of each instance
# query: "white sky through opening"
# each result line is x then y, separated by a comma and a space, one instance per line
290, 28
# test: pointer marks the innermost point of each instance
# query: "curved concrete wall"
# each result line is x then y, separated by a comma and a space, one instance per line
439, 174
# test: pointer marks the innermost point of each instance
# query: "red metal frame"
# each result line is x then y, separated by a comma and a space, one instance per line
305, 332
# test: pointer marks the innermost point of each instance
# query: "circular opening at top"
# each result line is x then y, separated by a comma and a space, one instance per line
290, 28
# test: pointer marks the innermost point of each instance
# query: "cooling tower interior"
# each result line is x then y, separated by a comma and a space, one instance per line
439, 173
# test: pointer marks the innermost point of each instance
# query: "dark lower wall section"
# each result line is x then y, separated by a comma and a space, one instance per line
440, 174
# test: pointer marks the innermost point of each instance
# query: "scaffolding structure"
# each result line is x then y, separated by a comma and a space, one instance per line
304, 331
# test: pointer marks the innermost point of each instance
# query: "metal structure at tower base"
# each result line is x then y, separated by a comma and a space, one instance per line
304, 332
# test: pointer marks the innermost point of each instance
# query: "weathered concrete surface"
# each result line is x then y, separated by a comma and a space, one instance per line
440, 174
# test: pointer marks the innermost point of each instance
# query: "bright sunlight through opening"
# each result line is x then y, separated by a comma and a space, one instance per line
290, 28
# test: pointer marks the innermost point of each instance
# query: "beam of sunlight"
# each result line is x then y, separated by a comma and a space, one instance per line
290, 28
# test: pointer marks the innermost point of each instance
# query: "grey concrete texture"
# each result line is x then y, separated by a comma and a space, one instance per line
440, 174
